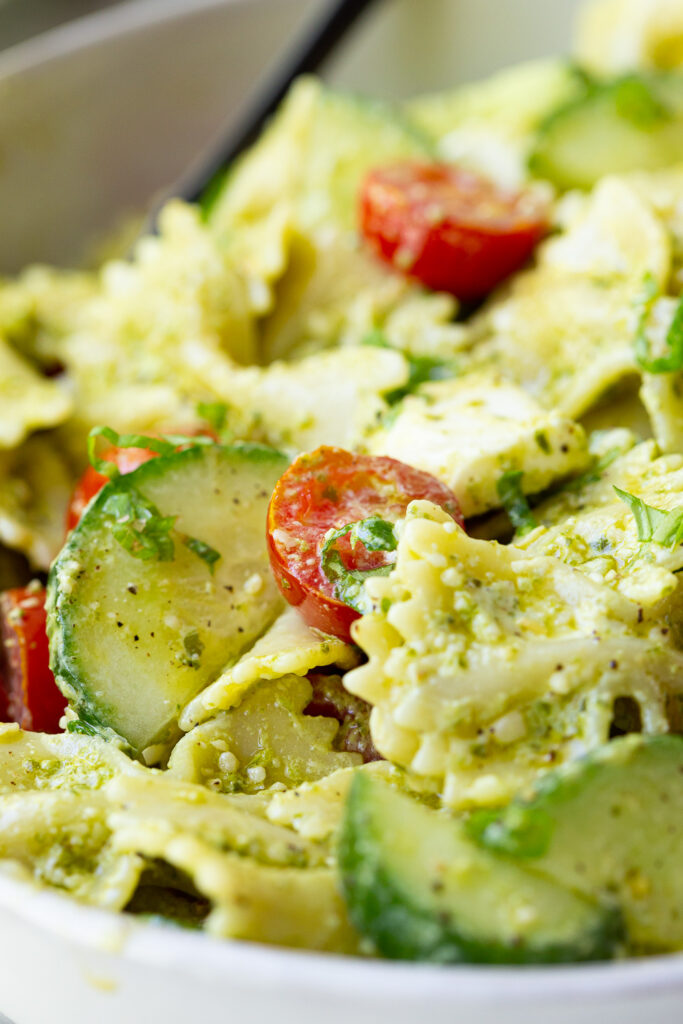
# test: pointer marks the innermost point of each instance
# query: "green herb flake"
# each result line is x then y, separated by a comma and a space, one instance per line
203, 551
653, 524
513, 500
138, 525
216, 415
673, 360
193, 647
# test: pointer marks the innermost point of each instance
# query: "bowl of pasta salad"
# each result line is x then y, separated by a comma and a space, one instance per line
341, 531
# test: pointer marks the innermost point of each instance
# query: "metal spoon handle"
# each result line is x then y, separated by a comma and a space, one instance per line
322, 39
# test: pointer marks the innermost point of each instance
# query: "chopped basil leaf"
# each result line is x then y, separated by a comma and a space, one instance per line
161, 445
203, 551
673, 360
421, 369
108, 468
636, 101
376, 534
138, 525
513, 500
215, 414
654, 524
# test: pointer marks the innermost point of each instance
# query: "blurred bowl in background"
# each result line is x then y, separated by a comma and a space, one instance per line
99, 115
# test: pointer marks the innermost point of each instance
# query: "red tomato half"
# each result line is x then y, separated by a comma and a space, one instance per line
126, 459
449, 228
328, 489
33, 699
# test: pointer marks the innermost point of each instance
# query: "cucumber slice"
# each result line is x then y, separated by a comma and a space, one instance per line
511, 103
632, 123
132, 641
609, 824
421, 890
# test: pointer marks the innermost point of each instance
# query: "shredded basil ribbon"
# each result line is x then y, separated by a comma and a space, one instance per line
202, 550
165, 445
376, 534
216, 415
654, 524
136, 523
513, 500
673, 341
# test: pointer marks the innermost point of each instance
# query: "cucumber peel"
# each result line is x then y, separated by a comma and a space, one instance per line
420, 889
164, 582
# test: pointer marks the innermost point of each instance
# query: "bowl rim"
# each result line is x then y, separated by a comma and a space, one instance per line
236, 963
109, 23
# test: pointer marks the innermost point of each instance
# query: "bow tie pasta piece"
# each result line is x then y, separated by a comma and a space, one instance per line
28, 401
564, 330
35, 487
261, 881
469, 431
592, 529
142, 348
314, 155
327, 398
619, 35
331, 292
288, 647
487, 666
266, 739
53, 815
296, 907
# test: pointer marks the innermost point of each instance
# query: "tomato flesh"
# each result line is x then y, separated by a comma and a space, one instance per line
31, 693
328, 489
125, 459
449, 228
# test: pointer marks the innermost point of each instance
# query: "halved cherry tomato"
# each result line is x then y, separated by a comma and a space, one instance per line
33, 699
126, 460
451, 229
328, 489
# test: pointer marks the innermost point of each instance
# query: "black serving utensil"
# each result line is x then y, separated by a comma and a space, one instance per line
328, 31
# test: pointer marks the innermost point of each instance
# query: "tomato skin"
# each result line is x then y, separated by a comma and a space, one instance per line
328, 489
32, 696
449, 228
126, 460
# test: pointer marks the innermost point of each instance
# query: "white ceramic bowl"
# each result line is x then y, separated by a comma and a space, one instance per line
94, 118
